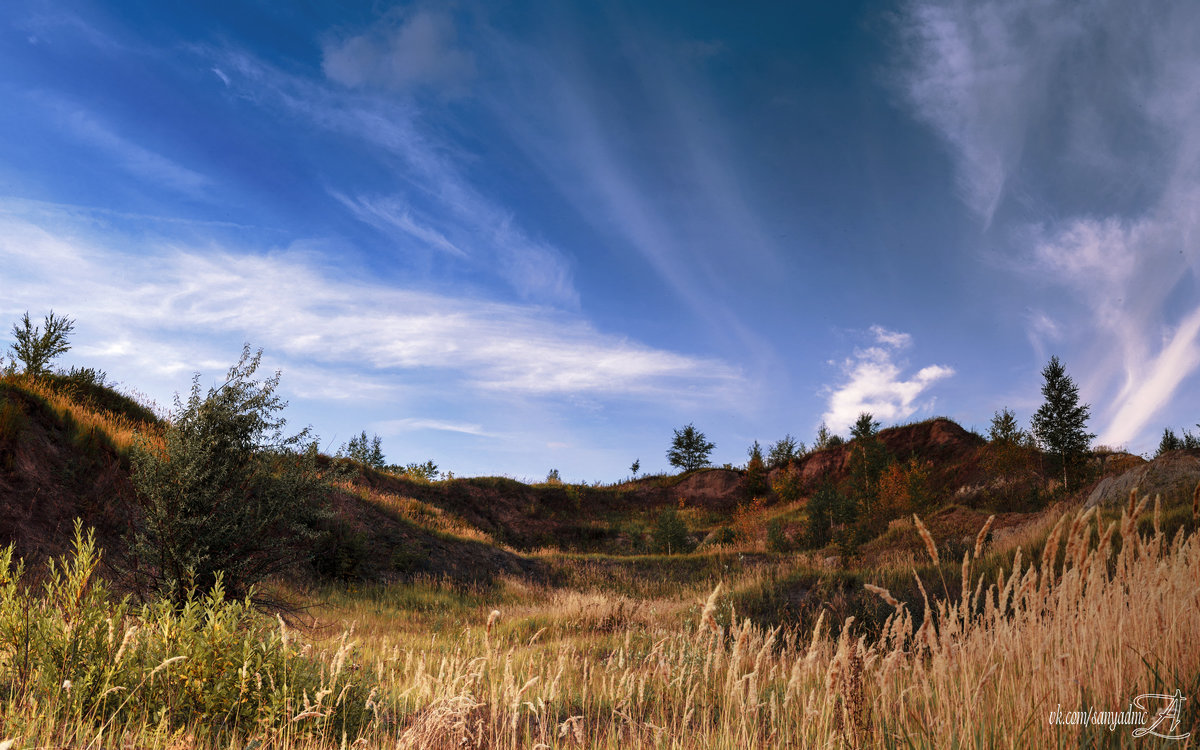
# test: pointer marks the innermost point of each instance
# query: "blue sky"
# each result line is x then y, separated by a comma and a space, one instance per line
512, 237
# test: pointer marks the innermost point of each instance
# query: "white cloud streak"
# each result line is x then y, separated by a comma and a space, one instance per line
975, 74
391, 215
1120, 88
484, 233
602, 154
397, 426
135, 159
874, 383
319, 320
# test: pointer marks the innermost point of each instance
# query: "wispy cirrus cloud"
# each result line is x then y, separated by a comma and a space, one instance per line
644, 152
874, 382
975, 72
390, 215
139, 161
433, 201
1113, 94
411, 424
183, 305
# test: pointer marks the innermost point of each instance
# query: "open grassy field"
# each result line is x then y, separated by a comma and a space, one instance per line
962, 629
1083, 613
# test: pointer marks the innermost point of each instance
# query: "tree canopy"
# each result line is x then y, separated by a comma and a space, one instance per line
36, 346
1060, 424
689, 449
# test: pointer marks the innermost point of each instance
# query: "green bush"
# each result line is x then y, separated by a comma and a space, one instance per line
725, 535
342, 553
81, 655
788, 484
670, 534
225, 492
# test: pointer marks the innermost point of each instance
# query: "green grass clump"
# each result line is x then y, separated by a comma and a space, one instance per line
74, 655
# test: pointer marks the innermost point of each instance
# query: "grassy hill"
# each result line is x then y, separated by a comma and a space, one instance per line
485, 612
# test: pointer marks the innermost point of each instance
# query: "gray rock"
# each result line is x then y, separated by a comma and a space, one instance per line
1173, 476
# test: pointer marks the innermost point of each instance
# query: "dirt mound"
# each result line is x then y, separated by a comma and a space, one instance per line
952, 451
713, 488
1173, 475
934, 440
52, 472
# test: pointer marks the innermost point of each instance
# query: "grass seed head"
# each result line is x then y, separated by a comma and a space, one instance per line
982, 536
882, 593
927, 538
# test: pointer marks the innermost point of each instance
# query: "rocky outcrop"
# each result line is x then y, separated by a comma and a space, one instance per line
1173, 476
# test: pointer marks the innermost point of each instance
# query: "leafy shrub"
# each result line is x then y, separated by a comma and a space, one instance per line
788, 484
747, 519
724, 535
225, 491
426, 472
670, 534
341, 553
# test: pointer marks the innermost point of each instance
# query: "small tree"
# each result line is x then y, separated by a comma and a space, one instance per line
225, 491
825, 508
1004, 428
636, 466
35, 347
1170, 442
1190, 441
368, 452
670, 534
689, 450
788, 484
1008, 454
826, 439
1060, 424
784, 451
868, 459
756, 472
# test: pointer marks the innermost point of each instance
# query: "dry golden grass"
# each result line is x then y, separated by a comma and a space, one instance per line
1092, 628
420, 513
120, 430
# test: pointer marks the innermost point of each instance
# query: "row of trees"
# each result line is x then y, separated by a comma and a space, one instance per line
878, 488
1059, 427
690, 449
